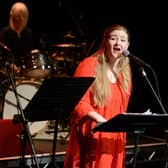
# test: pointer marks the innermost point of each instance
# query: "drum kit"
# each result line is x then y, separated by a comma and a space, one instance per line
37, 66
66, 56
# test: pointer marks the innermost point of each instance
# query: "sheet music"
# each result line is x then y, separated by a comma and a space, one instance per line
142, 114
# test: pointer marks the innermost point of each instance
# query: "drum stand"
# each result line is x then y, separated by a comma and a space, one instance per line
26, 133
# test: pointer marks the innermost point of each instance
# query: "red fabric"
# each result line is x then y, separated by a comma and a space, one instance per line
100, 149
10, 142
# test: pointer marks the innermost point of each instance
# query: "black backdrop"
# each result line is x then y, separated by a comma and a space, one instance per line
86, 19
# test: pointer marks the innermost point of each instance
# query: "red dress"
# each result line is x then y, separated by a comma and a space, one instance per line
101, 149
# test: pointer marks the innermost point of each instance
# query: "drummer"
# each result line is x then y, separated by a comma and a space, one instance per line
16, 39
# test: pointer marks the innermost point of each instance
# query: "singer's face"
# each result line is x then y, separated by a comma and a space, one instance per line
117, 43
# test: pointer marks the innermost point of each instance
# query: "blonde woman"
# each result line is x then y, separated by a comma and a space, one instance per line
107, 97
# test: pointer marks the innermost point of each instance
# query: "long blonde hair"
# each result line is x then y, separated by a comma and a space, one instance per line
100, 87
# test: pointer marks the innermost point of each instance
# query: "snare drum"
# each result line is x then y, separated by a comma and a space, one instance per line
36, 65
26, 90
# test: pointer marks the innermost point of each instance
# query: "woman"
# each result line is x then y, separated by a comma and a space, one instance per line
107, 97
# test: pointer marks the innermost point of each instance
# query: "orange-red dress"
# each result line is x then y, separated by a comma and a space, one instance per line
101, 149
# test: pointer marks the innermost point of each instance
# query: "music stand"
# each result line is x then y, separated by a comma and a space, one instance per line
55, 99
134, 122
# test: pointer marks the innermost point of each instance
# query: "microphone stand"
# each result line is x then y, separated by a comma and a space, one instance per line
159, 101
154, 92
26, 133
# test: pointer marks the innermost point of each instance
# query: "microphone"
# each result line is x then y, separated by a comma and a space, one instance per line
5, 47
135, 59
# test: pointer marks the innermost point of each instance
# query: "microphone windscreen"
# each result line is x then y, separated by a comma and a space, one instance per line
126, 52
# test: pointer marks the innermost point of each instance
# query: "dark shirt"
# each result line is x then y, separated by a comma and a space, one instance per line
19, 46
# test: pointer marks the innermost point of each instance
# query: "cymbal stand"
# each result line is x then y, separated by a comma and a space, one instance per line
26, 134
53, 163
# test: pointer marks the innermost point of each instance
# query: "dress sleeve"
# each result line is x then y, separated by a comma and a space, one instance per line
84, 69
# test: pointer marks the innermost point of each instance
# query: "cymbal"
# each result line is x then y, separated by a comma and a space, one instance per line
82, 44
63, 45
59, 58
69, 35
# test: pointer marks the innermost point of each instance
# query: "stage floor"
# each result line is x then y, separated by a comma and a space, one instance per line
149, 147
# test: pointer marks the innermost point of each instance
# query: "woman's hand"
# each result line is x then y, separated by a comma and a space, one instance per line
97, 117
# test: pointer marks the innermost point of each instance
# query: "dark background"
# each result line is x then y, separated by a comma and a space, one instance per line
147, 21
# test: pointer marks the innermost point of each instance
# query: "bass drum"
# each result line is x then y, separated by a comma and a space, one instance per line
26, 90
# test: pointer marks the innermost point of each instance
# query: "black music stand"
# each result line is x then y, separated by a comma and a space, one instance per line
137, 123
55, 99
